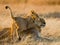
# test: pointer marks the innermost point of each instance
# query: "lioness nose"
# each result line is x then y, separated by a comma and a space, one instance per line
44, 23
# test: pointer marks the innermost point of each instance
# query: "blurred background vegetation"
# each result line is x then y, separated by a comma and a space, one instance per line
39, 2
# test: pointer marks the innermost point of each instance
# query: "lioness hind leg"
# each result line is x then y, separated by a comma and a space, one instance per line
14, 32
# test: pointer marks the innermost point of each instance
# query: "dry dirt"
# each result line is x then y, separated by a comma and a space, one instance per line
50, 31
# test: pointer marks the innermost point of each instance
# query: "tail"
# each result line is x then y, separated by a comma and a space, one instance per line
7, 7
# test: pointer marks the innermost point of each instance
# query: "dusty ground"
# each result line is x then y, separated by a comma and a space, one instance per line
51, 31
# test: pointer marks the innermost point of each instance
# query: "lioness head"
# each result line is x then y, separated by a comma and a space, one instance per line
40, 22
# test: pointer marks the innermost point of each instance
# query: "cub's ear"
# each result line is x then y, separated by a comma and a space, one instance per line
34, 14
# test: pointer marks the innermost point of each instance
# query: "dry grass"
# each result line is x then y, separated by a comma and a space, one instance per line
38, 2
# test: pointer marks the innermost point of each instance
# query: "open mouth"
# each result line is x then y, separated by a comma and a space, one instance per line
42, 25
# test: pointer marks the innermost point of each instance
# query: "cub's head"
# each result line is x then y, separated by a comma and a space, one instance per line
38, 21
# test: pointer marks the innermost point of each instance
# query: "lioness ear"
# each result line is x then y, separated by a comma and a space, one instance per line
34, 14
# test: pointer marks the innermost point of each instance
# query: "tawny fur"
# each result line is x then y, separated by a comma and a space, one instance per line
20, 24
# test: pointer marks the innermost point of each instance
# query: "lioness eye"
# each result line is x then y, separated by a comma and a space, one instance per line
33, 21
